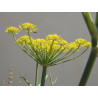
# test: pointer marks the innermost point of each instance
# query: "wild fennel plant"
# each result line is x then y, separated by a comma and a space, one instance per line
47, 52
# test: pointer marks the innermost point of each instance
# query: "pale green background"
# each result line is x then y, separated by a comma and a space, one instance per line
69, 25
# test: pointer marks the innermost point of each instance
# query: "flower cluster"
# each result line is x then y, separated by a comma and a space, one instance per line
24, 40
28, 26
25, 26
51, 46
12, 30
48, 51
57, 43
82, 43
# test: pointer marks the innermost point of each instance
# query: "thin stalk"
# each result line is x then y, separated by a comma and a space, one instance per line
18, 44
65, 56
15, 40
94, 51
24, 49
48, 55
32, 45
50, 78
36, 76
70, 59
60, 54
26, 80
54, 54
44, 70
30, 52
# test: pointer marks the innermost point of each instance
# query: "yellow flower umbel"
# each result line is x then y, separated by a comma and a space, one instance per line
28, 26
12, 30
48, 51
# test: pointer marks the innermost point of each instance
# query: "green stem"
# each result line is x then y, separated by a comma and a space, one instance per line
88, 68
36, 76
96, 22
94, 51
15, 40
44, 70
26, 81
91, 26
